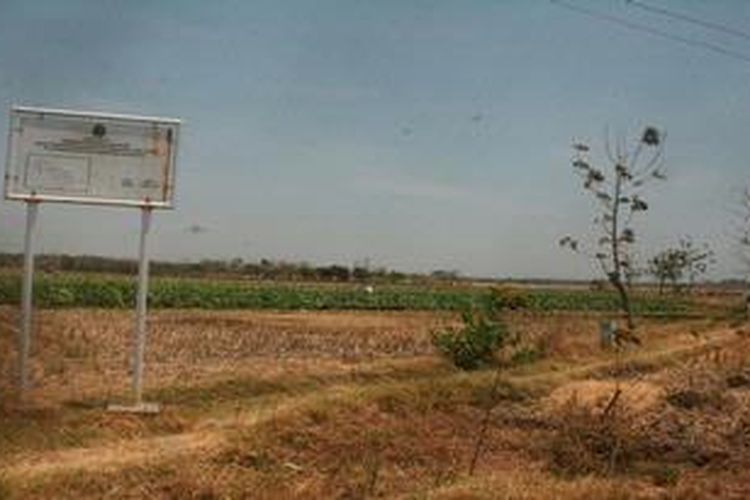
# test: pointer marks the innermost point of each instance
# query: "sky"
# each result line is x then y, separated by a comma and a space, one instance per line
411, 134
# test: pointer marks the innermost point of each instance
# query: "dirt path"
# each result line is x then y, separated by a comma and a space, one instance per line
707, 342
209, 435
212, 434
113, 456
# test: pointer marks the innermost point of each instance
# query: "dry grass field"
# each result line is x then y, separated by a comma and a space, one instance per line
358, 405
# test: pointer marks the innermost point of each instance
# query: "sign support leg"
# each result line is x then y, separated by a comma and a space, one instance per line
141, 307
140, 332
27, 289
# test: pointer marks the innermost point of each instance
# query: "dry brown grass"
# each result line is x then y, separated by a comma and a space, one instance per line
80, 354
354, 443
83, 354
690, 420
352, 405
637, 397
533, 482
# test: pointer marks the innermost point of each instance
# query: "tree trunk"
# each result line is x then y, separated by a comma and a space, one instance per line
616, 276
625, 303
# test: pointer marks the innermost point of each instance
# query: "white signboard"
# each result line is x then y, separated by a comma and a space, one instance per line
77, 157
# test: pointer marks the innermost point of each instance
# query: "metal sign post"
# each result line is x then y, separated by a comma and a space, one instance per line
27, 289
140, 331
139, 344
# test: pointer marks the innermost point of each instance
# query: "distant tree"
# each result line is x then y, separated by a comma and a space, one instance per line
361, 273
396, 276
445, 275
267, 269
685, 262
306, 272
617, 190
334, 273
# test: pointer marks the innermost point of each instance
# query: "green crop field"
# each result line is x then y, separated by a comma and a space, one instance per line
105, 291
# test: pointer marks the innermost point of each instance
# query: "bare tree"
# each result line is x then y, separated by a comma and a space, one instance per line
618, 192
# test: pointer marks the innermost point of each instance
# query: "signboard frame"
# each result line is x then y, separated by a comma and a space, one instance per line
94, 143
90, 119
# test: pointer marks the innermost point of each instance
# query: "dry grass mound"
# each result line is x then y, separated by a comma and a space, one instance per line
637, 397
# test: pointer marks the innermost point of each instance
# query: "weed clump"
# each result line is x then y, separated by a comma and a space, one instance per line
690, 399
699, 389
588, 441
738, 380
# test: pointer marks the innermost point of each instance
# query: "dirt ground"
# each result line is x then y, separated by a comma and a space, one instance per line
357, 405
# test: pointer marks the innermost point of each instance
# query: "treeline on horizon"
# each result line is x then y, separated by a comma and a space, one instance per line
264, 269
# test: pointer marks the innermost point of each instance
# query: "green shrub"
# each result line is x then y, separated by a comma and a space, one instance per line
476, 342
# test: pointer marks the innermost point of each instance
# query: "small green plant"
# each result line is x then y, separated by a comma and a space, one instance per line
475, 343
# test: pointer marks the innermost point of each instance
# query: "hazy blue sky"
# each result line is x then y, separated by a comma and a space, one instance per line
416, 134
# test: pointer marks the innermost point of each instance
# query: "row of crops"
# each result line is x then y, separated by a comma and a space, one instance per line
79, 290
